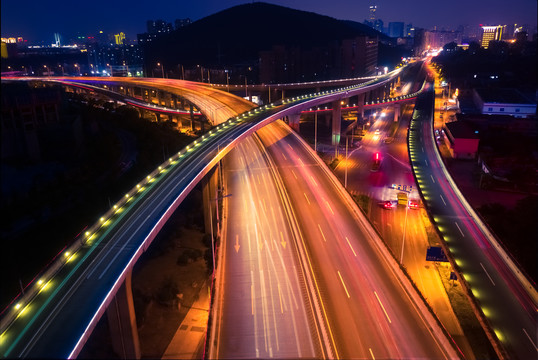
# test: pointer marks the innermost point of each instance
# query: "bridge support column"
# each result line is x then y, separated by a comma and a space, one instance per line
360, 108
337, 122
122, 322
294, 121
209, 193
397, 109
191, 113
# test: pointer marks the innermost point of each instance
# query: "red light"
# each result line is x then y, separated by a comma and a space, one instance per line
377, 156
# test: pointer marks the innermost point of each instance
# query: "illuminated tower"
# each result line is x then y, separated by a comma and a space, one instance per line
120, 38
373, 9
490, 33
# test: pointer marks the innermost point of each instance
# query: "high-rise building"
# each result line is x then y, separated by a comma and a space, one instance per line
119, 38
490, 33
373, 9
409, 30
396, 29
179, 23
159, 27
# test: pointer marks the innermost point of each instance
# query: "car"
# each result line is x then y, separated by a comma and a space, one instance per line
413, 204
377, 132
386, 204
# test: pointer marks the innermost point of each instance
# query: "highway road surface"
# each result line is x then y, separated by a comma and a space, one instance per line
509, 307
398, 223
368, 312
262, 307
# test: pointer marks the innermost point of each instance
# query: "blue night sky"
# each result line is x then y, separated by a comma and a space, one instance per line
38, 20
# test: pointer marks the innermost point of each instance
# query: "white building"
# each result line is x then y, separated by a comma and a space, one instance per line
504, 102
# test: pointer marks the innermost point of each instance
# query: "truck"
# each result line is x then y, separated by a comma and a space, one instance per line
402, 198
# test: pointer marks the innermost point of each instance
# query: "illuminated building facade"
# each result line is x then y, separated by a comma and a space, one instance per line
490, 33
120, 38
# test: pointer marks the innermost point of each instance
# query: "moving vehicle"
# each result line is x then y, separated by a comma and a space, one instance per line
402, 198
376, 162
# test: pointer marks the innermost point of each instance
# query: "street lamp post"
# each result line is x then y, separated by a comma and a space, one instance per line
403, 239
227, 81
162, 68
217, 198
315, 131
345, 176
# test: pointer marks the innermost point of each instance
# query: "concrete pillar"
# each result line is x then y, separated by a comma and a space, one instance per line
122, 322
209, 193
337, 122
294, 120
360, 108
191, 112
397, 109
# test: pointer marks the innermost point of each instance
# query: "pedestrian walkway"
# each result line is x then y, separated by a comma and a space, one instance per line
189, 338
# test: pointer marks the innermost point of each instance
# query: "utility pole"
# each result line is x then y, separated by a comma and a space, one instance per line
345, 176
315, 130
403, 240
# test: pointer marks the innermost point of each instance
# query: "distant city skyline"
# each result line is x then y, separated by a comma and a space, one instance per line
38, 20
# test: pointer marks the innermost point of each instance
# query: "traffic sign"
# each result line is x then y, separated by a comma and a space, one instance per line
406, 188
435, 253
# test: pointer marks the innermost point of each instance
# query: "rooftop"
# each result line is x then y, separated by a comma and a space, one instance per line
461, 130
503, 96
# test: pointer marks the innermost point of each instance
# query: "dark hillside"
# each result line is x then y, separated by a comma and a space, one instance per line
237, 35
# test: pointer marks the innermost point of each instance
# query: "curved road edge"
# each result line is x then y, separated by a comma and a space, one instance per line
423, 309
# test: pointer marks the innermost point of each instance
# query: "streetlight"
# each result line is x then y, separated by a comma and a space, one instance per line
48, 72
162, 68
315, 129
227, 81
345, 176
405, 226
78, 69
61, 67
246, 91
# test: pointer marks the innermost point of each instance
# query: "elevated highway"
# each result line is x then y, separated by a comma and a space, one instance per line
504, 299
66, 302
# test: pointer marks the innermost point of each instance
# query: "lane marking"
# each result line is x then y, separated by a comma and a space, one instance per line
387, 315
351, 246
342, 280
490, 279
284, 156
314, 181
293, 172
301, 161
442, 198
433, 179
329, 206
321, 231
533, 344
426, 161
371, 353
280, 298
252, 298
306, 198
461, 232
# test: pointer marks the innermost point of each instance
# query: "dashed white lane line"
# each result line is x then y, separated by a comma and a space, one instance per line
490, 279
